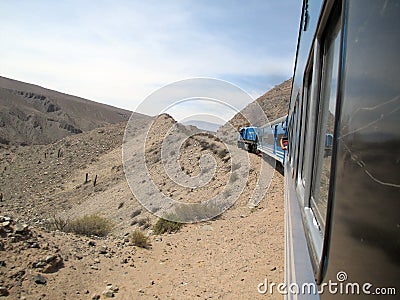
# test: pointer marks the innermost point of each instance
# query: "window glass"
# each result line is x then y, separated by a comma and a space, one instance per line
305, 146
294, 138
326, 117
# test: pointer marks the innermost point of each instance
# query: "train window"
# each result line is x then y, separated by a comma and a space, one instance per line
304, 146
294, 137
325, 120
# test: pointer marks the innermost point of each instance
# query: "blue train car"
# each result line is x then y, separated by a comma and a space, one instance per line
272, 139
248, 138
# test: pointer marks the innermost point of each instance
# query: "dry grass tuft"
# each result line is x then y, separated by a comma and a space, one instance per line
139, 239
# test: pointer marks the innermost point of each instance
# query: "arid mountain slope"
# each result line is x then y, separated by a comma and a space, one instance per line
30, 114
225, 258
274, 104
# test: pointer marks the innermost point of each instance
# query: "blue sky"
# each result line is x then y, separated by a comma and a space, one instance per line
118, 52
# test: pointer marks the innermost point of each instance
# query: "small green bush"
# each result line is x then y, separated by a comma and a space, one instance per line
166, 226
139, 239
90, 225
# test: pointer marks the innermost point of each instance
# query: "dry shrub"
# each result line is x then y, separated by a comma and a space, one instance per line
196, 212
90, 225
166, 226
139, 239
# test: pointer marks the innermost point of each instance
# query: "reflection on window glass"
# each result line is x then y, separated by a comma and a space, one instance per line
326, 118
295, 121
306, 146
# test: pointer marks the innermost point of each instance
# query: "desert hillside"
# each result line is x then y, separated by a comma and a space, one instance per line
30, 114
46, 189
273, 103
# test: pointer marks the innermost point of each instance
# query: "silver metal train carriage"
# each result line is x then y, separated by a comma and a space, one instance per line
342, 169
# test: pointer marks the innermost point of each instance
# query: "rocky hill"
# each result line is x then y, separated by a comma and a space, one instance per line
43, 187
30, 114
274, 104
44, 184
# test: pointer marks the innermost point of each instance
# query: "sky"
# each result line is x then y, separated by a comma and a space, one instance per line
120, 52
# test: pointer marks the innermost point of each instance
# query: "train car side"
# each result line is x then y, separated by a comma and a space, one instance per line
271, 137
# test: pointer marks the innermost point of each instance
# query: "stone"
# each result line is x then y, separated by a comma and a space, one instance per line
35, 245
4, 291
20, 228
39, 279
50, 258
54, 263
113, 288
95, 297
108, 293
103, 250
6, 223
39, 264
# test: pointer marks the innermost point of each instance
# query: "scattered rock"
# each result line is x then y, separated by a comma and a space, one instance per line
50, 258
20, 228
35, 245
103, 250
95, 296
113, 288
39, 279
6, 223
39, 264
4, 291
110, 290
124, 261
54, 263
